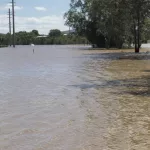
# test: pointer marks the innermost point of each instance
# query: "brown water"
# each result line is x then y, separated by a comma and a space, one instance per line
65, 98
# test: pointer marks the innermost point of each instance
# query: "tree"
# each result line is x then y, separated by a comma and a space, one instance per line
92, 18
140, 11
35, 32
111, 19
55, 33
24, 38
146, 31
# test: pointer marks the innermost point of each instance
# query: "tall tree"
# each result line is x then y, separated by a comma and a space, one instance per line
111, 19
55, 33
35, 32
139, 11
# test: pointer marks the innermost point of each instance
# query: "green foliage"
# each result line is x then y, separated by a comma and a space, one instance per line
114, 20
56, 37
35, 32
61, 40
146, 31
24, 38
55, 33
4, 39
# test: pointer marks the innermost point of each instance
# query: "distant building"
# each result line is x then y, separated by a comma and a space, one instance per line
42, 36
68, 32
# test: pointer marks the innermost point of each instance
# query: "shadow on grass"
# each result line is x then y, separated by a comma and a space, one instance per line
146, 70
136, 86
89, 47
120, 56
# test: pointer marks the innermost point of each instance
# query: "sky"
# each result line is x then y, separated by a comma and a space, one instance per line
42, 15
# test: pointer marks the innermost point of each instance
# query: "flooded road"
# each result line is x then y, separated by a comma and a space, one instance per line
70, 98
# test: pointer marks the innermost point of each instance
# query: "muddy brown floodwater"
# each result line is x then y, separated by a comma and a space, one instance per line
70, 98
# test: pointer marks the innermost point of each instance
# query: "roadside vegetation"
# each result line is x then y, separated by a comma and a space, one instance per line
54, 37
111, 23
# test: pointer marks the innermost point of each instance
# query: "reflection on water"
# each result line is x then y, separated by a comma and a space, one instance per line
65, 98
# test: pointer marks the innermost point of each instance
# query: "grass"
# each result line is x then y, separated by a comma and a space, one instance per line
1, 46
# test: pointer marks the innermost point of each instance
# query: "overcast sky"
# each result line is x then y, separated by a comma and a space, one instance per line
42, 15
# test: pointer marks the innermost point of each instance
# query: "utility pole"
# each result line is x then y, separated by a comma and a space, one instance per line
13, 18
9, 27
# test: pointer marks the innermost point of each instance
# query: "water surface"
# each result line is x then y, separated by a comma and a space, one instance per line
71, 98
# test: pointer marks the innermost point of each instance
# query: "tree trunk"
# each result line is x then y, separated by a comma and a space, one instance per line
135, 39
139, 32
107, 43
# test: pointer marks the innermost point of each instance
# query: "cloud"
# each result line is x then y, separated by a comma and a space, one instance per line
18, 8
42, 24
9, 5
40, 8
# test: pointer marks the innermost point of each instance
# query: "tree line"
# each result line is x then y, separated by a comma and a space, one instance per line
111, 23
54, 37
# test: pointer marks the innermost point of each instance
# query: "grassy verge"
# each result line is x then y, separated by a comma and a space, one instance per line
1, 46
